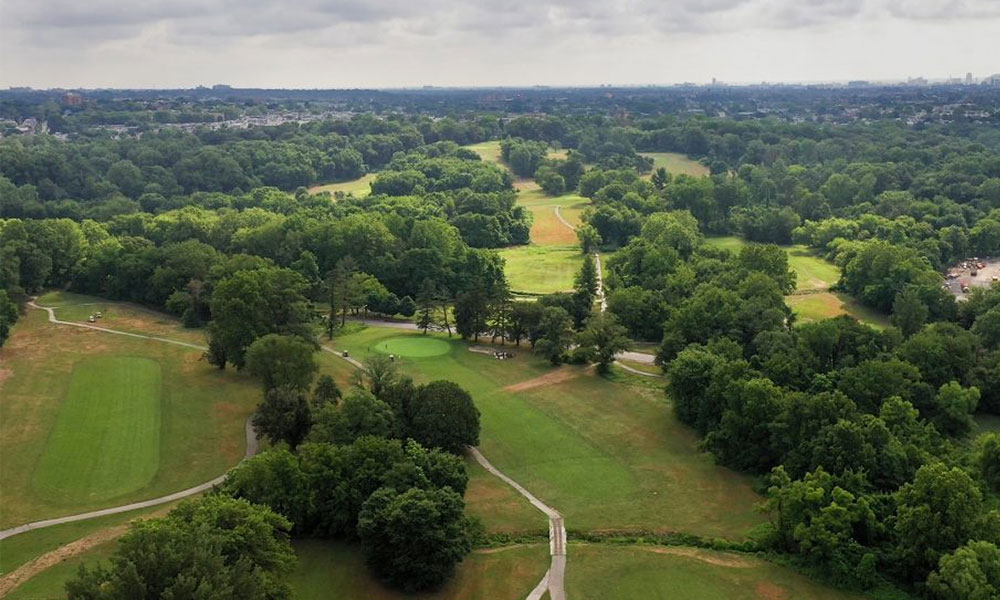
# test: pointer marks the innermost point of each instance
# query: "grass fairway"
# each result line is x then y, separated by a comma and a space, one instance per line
50, 583
336, 570
607, 454
606, 572
360, 187
542, 269
106, 441
414, 347
676, 163
201, 417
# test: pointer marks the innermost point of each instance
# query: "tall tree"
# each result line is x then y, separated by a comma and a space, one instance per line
282, 361
556, 329
605, 338
426, 305
212, 547
283, 416
251, 304
414, 538
909, 313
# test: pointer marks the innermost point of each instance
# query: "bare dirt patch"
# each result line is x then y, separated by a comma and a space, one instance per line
11, 581
15, 578
557, 376
720, 560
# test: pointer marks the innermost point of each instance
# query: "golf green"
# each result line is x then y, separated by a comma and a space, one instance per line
412, 346
106, 441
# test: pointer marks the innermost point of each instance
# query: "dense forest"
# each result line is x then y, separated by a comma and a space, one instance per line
862, 440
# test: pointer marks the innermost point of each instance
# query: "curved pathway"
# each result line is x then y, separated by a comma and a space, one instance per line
553, 578
251, 437
53, 319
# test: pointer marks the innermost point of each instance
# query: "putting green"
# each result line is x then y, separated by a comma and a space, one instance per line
413, 346
106, 441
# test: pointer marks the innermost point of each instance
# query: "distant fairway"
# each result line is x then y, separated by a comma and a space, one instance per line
106, 441
542, 269
676, 163
359, 187
414, 347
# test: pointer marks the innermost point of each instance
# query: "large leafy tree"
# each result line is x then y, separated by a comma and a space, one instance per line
414, 538
284, 416
970, 573
213, 547
555, 334
282, 361
443, 415
251, 304
604, 338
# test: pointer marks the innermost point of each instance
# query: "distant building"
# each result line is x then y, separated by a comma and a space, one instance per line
71, 99
968, 79
993, 80
916, 81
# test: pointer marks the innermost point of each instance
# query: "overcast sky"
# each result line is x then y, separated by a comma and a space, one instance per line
395, 43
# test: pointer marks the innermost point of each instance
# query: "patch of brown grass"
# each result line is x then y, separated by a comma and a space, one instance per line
712, 558
769, 591
560, 375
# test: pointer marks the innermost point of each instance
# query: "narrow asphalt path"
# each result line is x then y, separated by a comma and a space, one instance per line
251, 437
553, 580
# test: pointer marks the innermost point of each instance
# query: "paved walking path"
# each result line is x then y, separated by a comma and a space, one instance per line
251, 436
554, 577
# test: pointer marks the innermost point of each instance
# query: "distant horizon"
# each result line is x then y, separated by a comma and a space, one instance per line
930, 80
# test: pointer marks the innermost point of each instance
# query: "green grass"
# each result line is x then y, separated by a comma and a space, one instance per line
121, 316
106, 441
812, 273
542, 269
606, 572
50, 583
986, 423
726, 242
809, 308
414, 347
676, 163
359, 187
608, 455
19, 549
334, 569
812, 300
202, 412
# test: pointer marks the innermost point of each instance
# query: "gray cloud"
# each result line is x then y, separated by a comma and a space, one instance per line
212, 36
